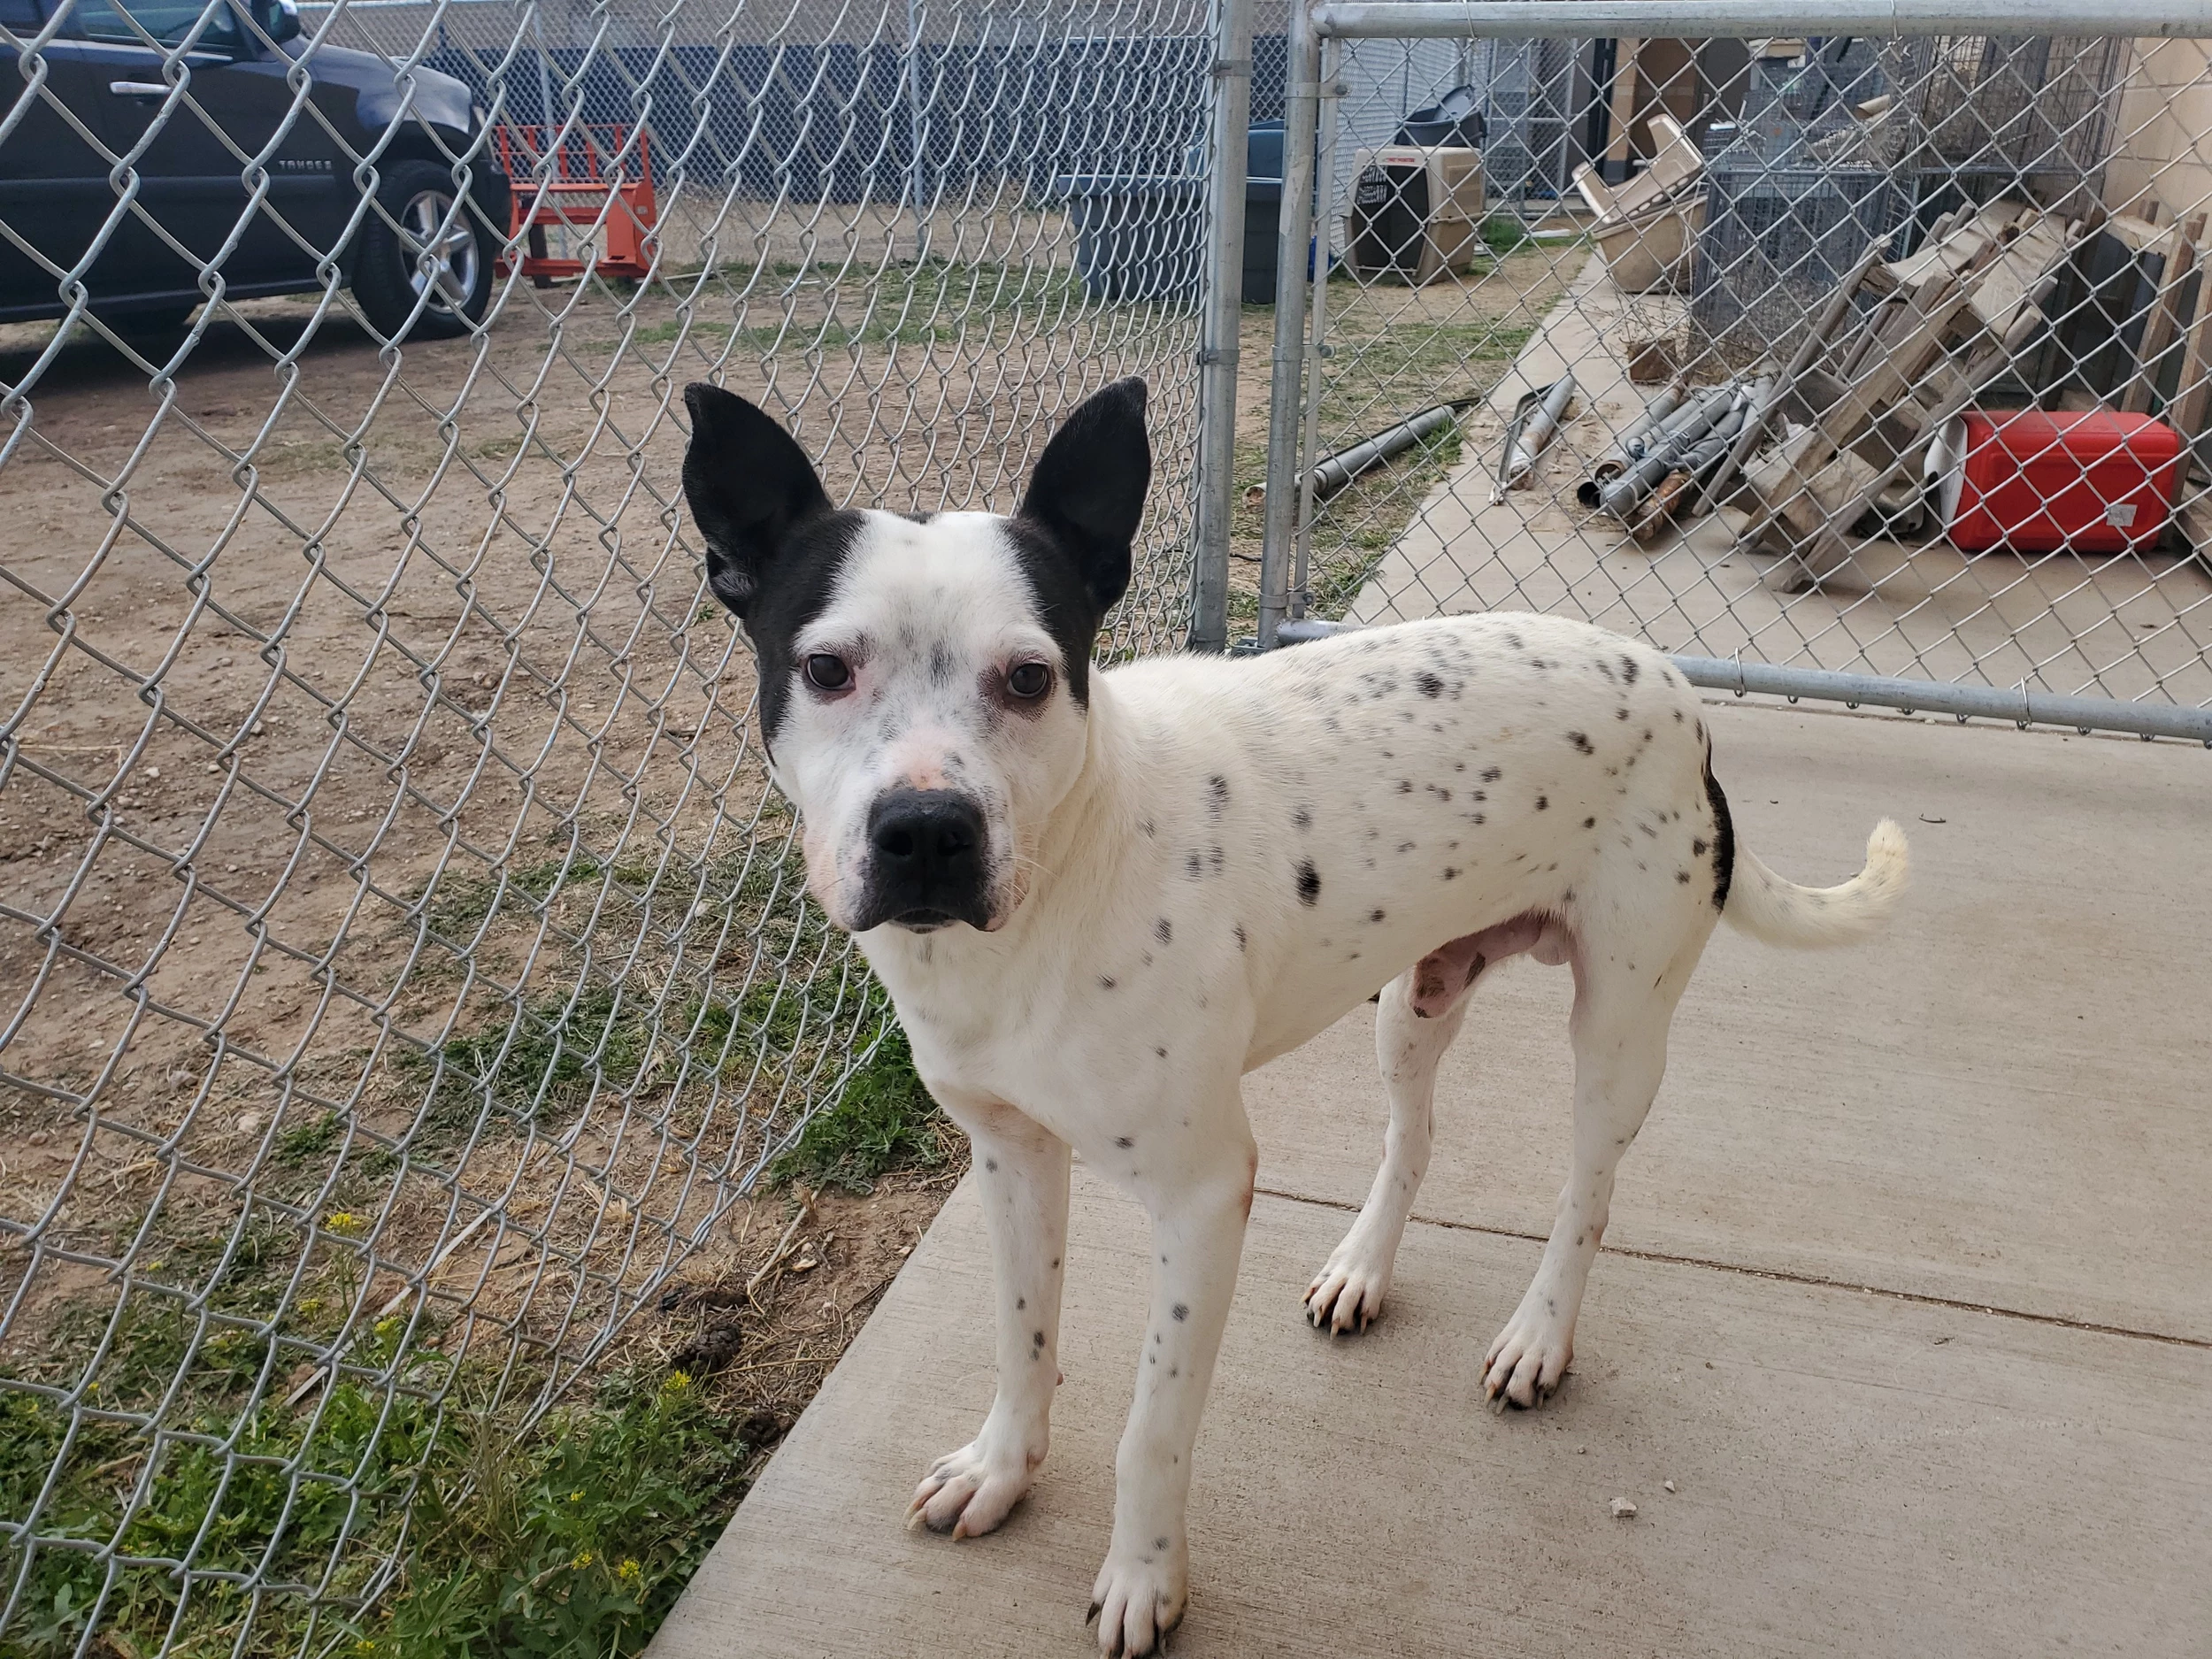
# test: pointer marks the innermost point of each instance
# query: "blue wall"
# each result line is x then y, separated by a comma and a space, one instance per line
831, 123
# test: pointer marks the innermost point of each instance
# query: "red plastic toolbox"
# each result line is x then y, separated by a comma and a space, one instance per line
2036, 480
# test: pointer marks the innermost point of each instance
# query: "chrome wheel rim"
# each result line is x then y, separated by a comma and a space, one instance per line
441, 257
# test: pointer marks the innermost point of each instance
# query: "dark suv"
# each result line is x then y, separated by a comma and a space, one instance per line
100, 76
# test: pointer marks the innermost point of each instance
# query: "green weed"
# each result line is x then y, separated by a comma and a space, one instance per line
461, 904
300, 1143
885, 1120
578, 1541
540, 1063
574, 1539
1505, 233
271, 1490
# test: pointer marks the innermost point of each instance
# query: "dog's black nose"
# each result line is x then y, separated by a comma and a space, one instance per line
928, 859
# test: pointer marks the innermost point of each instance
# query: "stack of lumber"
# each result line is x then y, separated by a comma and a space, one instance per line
2166, 368
1873, 385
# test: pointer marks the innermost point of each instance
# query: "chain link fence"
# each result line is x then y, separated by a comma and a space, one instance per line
1875, 367
405, 958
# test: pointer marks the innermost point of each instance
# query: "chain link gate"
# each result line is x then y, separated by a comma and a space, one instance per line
405, 958
1873, 364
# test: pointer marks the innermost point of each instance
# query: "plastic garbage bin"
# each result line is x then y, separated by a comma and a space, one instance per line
1138, 236
1453, 119
1142, 237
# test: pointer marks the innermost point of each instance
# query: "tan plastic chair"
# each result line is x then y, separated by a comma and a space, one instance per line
1648, 229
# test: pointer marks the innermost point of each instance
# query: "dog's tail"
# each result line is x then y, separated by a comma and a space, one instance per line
1779, 912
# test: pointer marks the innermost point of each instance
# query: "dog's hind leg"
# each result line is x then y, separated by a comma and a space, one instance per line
1621, 1011
1022, 1177
1420, 1012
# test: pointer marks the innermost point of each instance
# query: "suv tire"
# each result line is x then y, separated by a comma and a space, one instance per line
388, 278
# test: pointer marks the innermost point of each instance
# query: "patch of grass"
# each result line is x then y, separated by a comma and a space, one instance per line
1354, 529
884, 1121
303, 1142
578, 1541
270, 1489
1382, 374
462, 904
543, 1060
574, 1539
1505, 233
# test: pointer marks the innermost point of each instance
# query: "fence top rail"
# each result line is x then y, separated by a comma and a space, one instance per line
1745, 19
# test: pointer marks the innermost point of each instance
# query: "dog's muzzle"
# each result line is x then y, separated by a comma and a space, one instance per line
926, 862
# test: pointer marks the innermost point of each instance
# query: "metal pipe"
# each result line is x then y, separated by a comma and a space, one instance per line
1748, 20
1301, 116
1706, 453
1654, 412
2022, 707
1913, 696
1660, 458
1530, 431
1628, 444
1830, 317
1675, 497
1306, 630
1216, 483
917, 130
1333, 472
1324, 223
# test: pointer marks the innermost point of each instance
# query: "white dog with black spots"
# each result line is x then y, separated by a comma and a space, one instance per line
1099, 898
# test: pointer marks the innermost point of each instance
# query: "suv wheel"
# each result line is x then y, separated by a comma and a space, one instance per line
438, 258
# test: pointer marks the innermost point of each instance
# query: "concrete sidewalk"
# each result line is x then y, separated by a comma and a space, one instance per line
1908, 1291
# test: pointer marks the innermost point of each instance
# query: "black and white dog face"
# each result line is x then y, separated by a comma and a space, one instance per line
924, 682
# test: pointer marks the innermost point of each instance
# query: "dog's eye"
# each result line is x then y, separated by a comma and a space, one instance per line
826, 672
1029, 680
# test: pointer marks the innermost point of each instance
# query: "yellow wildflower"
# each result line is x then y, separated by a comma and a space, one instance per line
582, 1561
629, 1571
344, 1223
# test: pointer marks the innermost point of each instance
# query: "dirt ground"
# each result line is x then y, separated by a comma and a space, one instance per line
298, 647
768, 1307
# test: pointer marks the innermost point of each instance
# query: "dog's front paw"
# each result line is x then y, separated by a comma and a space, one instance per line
1347, 1293
969, 1491
1530, 1356
1139, 1596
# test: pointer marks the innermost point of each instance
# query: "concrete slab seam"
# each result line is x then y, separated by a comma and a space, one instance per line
1779, 1275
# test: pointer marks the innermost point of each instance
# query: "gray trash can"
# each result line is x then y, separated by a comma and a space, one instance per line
1138, 236
1142, 237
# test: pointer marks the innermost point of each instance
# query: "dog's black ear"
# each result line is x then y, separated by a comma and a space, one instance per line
1089, 486
749, 485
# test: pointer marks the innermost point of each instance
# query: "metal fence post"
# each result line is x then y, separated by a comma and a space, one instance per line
1310, 424
1300, 118
1222, 299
